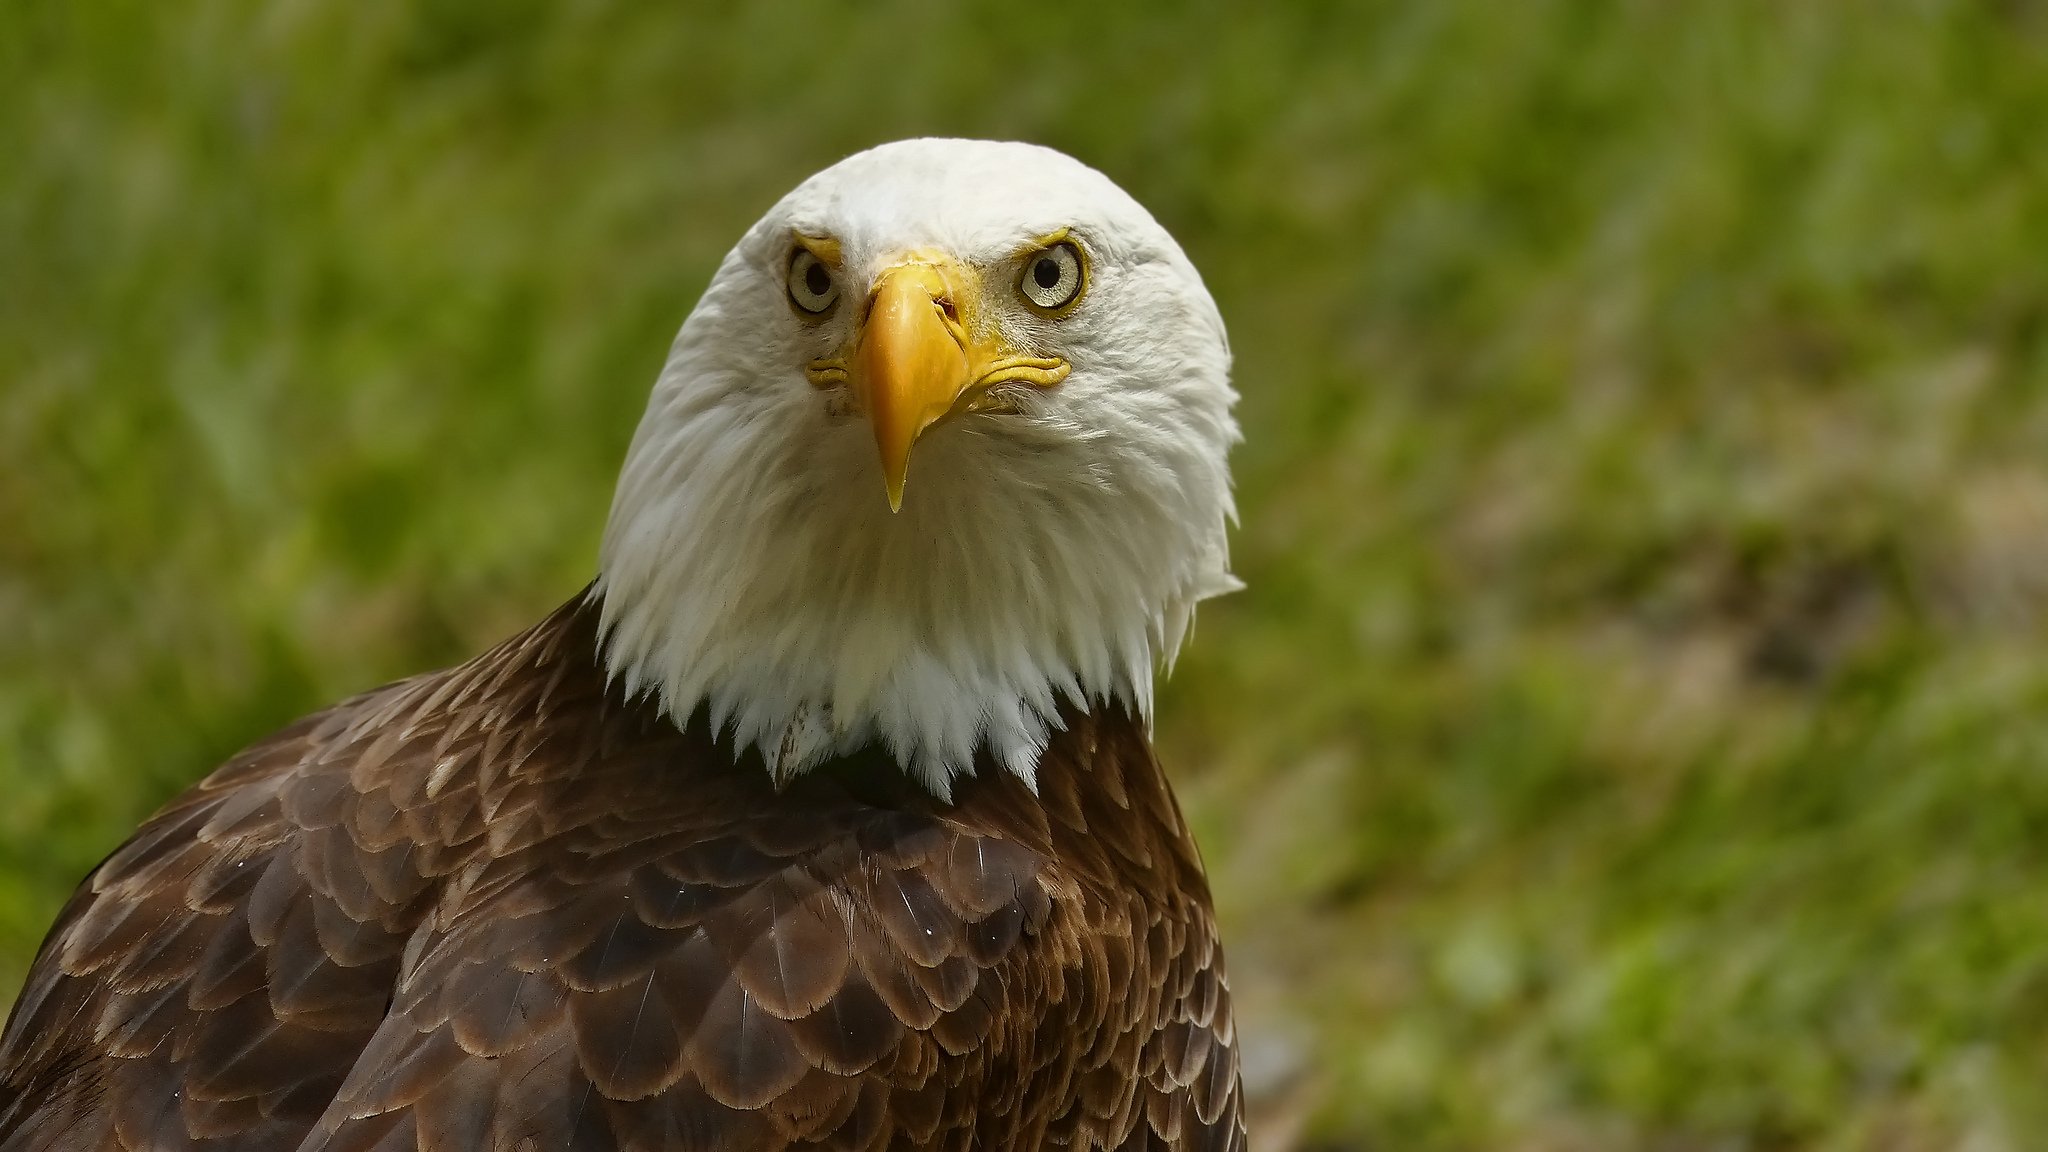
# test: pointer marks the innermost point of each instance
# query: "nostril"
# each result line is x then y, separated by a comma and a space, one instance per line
945, 304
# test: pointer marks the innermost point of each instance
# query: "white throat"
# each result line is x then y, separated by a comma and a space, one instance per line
752, 564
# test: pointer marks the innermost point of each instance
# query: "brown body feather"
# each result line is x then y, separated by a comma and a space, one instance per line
505, 907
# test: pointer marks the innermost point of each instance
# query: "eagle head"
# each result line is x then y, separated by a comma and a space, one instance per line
943, 446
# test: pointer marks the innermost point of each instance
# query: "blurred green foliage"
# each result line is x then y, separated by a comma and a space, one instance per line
1635, 734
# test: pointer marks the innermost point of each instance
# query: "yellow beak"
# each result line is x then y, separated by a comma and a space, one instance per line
911, 365
918, 359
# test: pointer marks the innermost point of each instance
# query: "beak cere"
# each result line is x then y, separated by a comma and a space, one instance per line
912, 365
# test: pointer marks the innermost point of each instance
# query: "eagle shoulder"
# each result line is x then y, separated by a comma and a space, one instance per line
216, 976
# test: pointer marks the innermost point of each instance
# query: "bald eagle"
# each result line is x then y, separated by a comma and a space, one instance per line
827, 816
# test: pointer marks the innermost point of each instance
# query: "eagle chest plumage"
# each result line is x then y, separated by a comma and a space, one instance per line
507, 907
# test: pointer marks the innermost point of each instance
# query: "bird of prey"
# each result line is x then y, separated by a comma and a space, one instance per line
827, 816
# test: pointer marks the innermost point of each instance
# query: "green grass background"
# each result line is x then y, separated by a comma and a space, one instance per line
1635, 733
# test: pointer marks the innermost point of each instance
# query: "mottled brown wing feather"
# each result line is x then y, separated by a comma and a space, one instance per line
216, 975
504, 908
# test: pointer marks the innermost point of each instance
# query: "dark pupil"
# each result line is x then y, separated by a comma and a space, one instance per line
1046, 272
817, 280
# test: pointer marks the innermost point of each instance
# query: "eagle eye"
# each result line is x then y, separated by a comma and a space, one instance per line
1052, 276
811, 286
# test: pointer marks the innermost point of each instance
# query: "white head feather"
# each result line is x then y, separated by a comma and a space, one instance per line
752, 563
